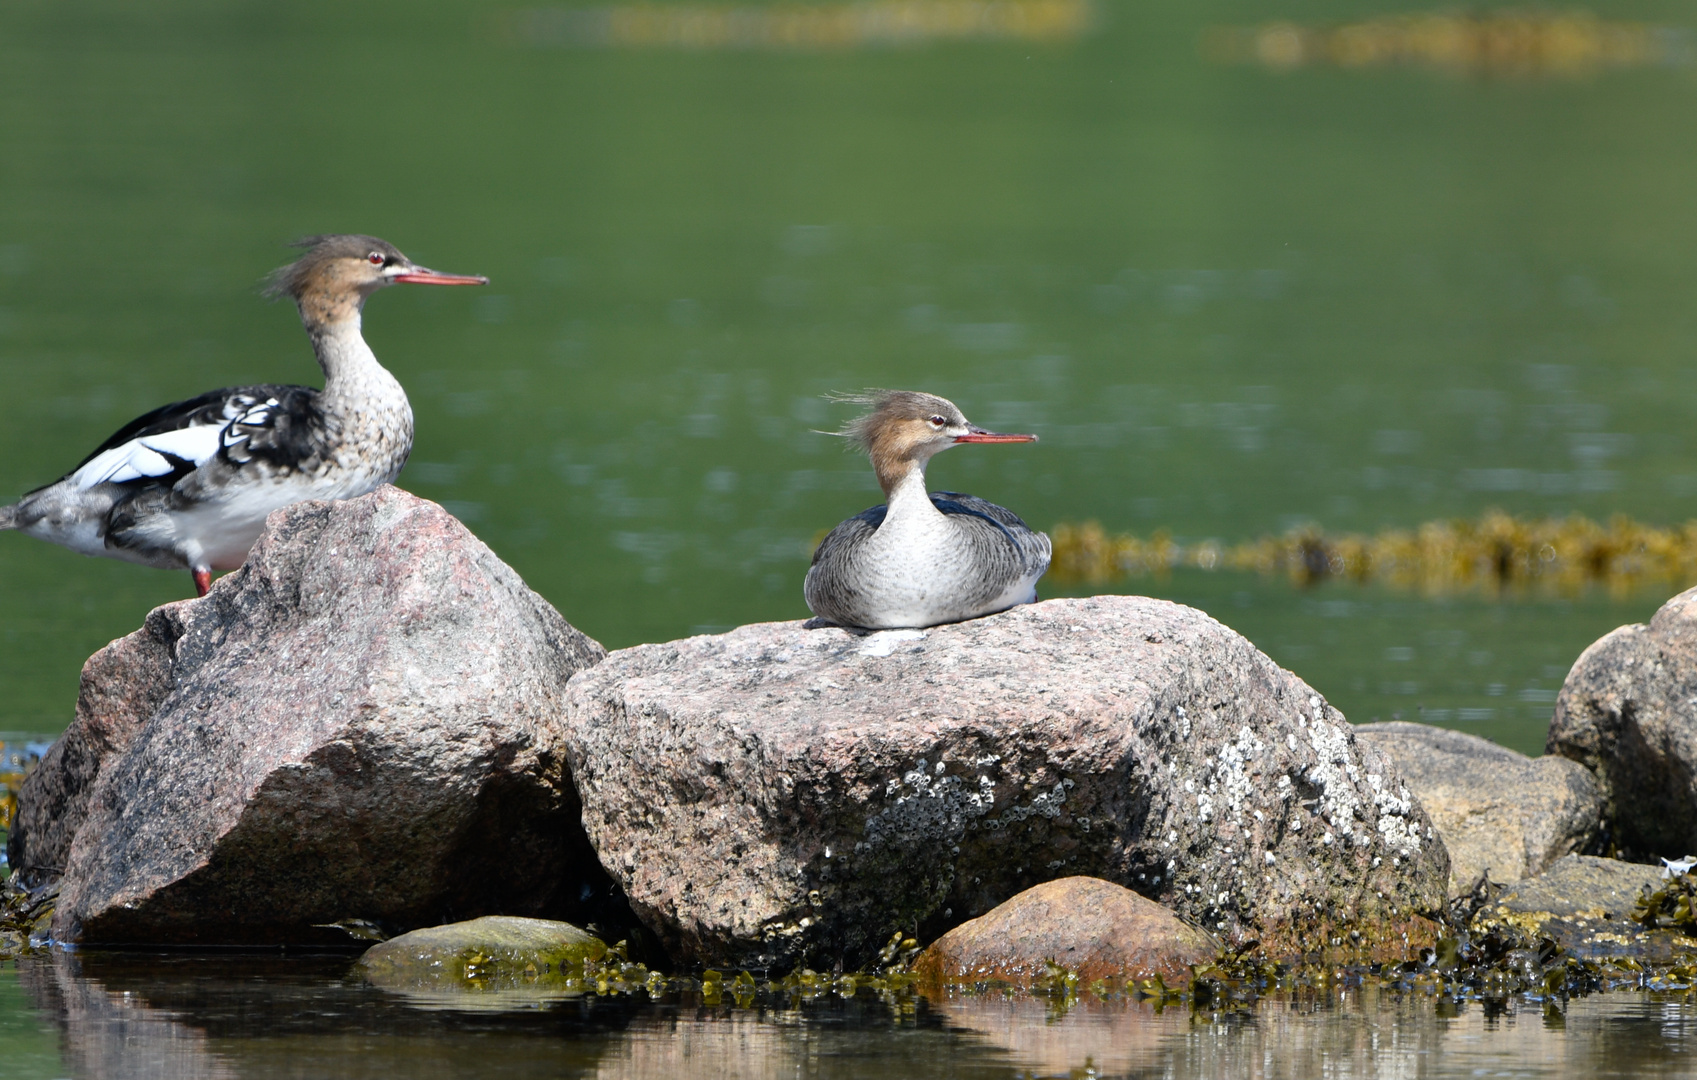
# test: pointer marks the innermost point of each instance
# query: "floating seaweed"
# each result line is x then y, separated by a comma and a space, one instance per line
1502, 43
809, 27
1494, 553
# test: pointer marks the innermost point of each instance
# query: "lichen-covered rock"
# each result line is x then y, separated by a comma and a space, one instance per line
1585, 904
496, 952
1496, 810
1628, 712
358, 724
778, 794
1094, 929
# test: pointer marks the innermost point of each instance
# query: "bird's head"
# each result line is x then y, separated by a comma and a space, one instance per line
906, 428
331, 280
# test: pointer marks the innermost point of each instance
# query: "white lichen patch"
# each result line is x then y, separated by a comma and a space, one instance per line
1231, 782
1339, 805
1401, 835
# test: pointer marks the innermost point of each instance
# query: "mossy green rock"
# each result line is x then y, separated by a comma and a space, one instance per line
1586, 904
497, 952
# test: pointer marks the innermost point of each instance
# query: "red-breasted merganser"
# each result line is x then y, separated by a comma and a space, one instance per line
188, 486
923, 558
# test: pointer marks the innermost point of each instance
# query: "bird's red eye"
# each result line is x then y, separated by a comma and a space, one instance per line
939, 421
375, 258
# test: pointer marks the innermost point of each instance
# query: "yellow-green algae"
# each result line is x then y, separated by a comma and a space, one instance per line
1495, 553
16, 762
1502, 43
24, 917
496, 952
1673, 906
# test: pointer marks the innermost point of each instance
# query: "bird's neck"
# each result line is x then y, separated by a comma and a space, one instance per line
906, 494
351, 370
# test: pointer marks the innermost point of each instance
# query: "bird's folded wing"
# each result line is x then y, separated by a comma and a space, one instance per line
156, 456
172, 441
277, 429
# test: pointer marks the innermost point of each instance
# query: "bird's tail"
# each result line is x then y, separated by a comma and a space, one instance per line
9, 517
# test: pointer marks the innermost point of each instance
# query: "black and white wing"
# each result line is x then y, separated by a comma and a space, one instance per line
284, 431
169, 443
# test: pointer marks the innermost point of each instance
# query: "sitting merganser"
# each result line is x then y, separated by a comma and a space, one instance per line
922, 559
189, 485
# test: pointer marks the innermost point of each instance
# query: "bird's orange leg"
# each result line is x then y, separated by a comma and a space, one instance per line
202, 580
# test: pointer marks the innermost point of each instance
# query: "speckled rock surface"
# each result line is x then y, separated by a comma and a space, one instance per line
1628, 712
778, 795
1584, 903
1093, 928
1495, 809
120, 690
356, 724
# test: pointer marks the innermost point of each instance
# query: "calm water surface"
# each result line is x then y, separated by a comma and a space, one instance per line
196, 1017
1230, 299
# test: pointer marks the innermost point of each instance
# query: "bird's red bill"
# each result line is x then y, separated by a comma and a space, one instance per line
431, 277
991, 436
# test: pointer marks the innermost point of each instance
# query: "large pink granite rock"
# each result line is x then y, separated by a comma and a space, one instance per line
778, 795
358, 724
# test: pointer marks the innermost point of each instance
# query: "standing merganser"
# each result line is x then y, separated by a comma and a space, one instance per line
188, 486
923, 558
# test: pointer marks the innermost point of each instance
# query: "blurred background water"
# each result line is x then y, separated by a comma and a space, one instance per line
1242, 266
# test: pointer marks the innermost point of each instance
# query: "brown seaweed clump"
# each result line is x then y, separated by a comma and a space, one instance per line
1493, 554
1500, 44
1672, 907
16, 761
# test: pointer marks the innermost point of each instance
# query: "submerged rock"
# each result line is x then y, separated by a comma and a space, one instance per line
496, 952
355, 725
1626, 713
779, 794
1496, 810
1586, 904
1093, 929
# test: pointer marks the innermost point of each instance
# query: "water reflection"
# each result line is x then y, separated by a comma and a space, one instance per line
263, 1017
109, 1033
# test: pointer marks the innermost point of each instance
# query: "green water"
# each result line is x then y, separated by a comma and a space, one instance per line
1229, 300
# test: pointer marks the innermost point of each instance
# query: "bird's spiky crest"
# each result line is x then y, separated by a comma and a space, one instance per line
293, 279
889, 405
